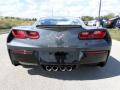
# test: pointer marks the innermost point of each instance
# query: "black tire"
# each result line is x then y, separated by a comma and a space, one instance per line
101, 64
15, 63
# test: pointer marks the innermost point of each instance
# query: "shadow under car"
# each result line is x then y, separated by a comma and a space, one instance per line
112, 69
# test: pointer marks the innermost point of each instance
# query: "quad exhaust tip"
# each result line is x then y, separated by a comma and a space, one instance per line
69, 68
55, 68
48, 68
61, 68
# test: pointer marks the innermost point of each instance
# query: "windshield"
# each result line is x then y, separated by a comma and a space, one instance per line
59, 21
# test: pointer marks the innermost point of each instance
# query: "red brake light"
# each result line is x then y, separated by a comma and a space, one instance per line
19, 34
84, 35
92, 35
33, 35
99, 34
25, 34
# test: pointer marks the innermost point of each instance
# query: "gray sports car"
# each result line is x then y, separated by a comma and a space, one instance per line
58, 43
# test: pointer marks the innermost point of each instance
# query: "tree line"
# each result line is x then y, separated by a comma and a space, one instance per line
84, 18
108, 16
8, 22
18, 18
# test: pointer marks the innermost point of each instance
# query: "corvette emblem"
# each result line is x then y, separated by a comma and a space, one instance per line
59, 39
59, 36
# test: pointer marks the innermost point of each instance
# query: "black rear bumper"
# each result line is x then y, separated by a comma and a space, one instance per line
36, 59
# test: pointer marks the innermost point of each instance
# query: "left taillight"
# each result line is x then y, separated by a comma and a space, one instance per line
20, 34
92, 35
33, 35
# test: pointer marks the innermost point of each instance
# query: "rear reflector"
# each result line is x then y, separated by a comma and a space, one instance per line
92, 35
25, 34
99, 34
22, 52
96, 52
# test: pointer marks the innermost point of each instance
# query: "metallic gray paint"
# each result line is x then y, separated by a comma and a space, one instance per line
57, 41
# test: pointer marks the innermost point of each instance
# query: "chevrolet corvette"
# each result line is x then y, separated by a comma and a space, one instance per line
58, 44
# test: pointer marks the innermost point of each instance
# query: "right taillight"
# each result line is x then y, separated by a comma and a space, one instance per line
92, 35
99, 34
21, 34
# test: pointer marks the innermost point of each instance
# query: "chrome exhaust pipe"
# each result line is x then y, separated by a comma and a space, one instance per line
63, 68
69, 68
48, 68
55, 68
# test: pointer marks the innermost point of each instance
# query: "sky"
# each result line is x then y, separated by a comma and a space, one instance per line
43, 8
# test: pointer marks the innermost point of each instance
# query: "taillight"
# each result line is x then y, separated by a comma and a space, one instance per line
99, 34
25, 34
92, 35
19, 34
33, 35
84, 35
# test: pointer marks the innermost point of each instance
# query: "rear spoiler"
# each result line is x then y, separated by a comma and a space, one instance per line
58, 26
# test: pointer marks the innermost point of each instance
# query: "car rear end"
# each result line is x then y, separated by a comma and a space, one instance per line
58, 47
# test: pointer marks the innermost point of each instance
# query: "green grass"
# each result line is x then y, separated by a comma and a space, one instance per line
8, 23
115, 34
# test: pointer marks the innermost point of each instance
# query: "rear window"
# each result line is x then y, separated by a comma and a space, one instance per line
62, 21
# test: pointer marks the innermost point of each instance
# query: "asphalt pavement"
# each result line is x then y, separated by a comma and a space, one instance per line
85, 78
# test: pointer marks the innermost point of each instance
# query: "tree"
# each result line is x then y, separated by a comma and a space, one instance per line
34, 19
109, 16
87, 18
